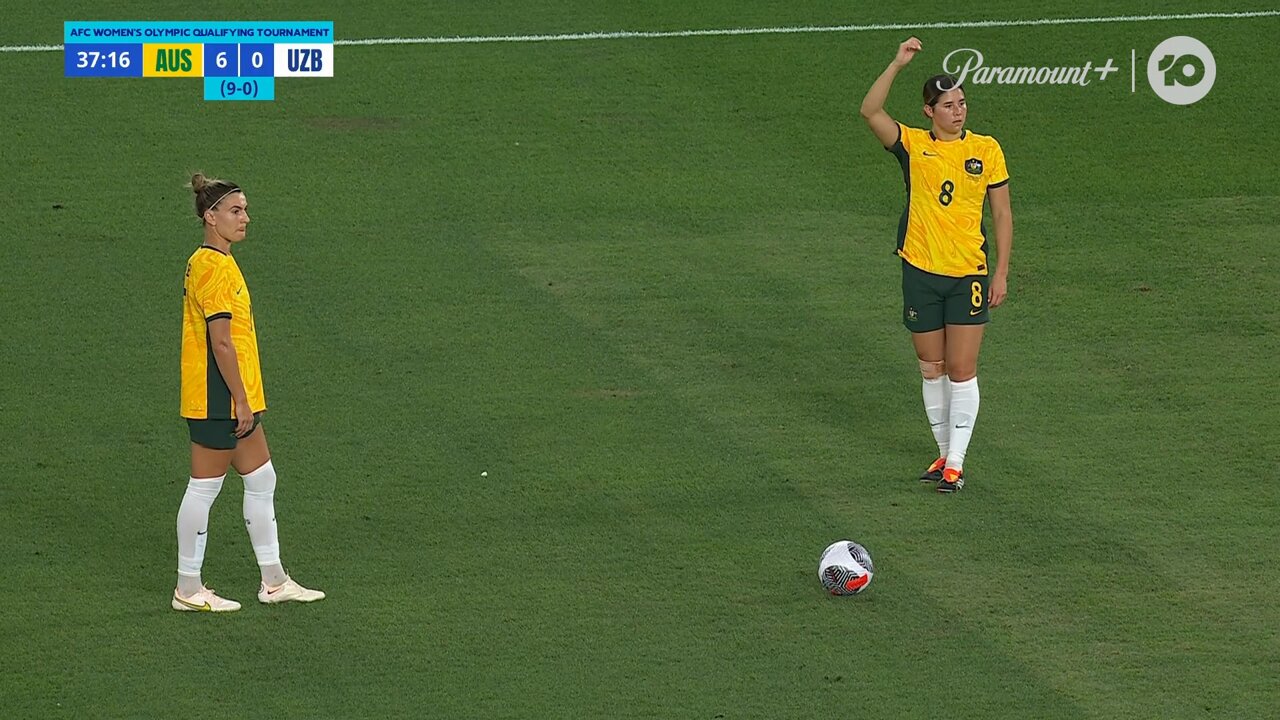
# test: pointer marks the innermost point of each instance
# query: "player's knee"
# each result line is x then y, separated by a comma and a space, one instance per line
933, 370
206, 487
962, 373
262, 480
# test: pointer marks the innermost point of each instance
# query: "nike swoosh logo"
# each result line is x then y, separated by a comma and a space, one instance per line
975, 312
961, 427
203, 533
238, 291
926, 153
202, 608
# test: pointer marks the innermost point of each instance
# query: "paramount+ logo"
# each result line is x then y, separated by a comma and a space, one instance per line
1180, 70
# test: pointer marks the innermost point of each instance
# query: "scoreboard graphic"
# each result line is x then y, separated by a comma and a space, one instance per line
237, 60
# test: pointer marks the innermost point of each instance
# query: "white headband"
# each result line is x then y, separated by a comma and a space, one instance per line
224, 196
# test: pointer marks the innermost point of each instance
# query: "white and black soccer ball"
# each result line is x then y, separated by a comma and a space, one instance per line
845, 568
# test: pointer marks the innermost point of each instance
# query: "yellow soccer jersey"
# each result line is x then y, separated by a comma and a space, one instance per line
941, 229
214, 288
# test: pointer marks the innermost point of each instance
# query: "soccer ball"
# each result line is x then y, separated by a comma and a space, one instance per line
845, 568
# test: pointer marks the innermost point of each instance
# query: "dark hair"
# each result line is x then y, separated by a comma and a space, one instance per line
209, 192
935, 86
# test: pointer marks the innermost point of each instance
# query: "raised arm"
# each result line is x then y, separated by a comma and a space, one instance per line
884, 127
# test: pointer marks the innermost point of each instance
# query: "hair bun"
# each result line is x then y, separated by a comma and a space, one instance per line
199, 182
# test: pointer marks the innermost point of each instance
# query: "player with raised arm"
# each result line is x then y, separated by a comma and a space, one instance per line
948, 284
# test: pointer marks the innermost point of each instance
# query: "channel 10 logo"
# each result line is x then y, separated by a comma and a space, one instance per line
1181, 70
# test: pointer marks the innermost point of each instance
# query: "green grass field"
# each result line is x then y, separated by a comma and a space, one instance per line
646, 285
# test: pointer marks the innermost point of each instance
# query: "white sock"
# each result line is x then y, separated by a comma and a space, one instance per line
937, 393
260, 521
193, 529
964, 412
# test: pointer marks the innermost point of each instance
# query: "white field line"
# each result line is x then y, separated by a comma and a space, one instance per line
645, 34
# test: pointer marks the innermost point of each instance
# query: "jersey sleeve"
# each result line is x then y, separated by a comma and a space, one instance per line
904, 140
212, 290
999, 172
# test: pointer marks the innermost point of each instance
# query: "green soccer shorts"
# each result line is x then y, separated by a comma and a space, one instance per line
931, 301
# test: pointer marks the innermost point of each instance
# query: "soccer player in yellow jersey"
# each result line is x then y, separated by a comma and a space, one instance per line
948, 284
223, 402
